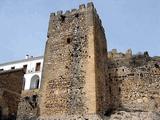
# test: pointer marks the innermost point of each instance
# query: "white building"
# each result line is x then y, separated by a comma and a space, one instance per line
32, 68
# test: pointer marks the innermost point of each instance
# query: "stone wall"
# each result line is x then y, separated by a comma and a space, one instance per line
73, 78
135, 87
11, 84
101, 72
114, 54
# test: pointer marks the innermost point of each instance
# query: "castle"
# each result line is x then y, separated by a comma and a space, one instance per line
81, 80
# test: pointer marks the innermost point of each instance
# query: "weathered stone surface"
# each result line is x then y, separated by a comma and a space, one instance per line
74, 74
11, 84
135, 85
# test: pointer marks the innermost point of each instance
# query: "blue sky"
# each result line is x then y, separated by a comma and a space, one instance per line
131, 24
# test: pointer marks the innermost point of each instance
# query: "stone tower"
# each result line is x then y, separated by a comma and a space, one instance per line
74, 74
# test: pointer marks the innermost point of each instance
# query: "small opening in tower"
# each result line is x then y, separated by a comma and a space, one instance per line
63, 18
68, 40
66, 67
119, 89
141, 75
77, 27
77, 15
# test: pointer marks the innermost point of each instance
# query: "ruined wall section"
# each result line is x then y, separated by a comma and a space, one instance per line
114, 54
136, 88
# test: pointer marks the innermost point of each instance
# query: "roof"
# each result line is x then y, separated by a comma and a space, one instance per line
23, 60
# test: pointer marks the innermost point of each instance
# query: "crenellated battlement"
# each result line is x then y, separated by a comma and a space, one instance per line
82, 7
87, 12
114, 54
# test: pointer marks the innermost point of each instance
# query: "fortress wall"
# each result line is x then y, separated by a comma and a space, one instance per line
136, 88
64, 72
101, 72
